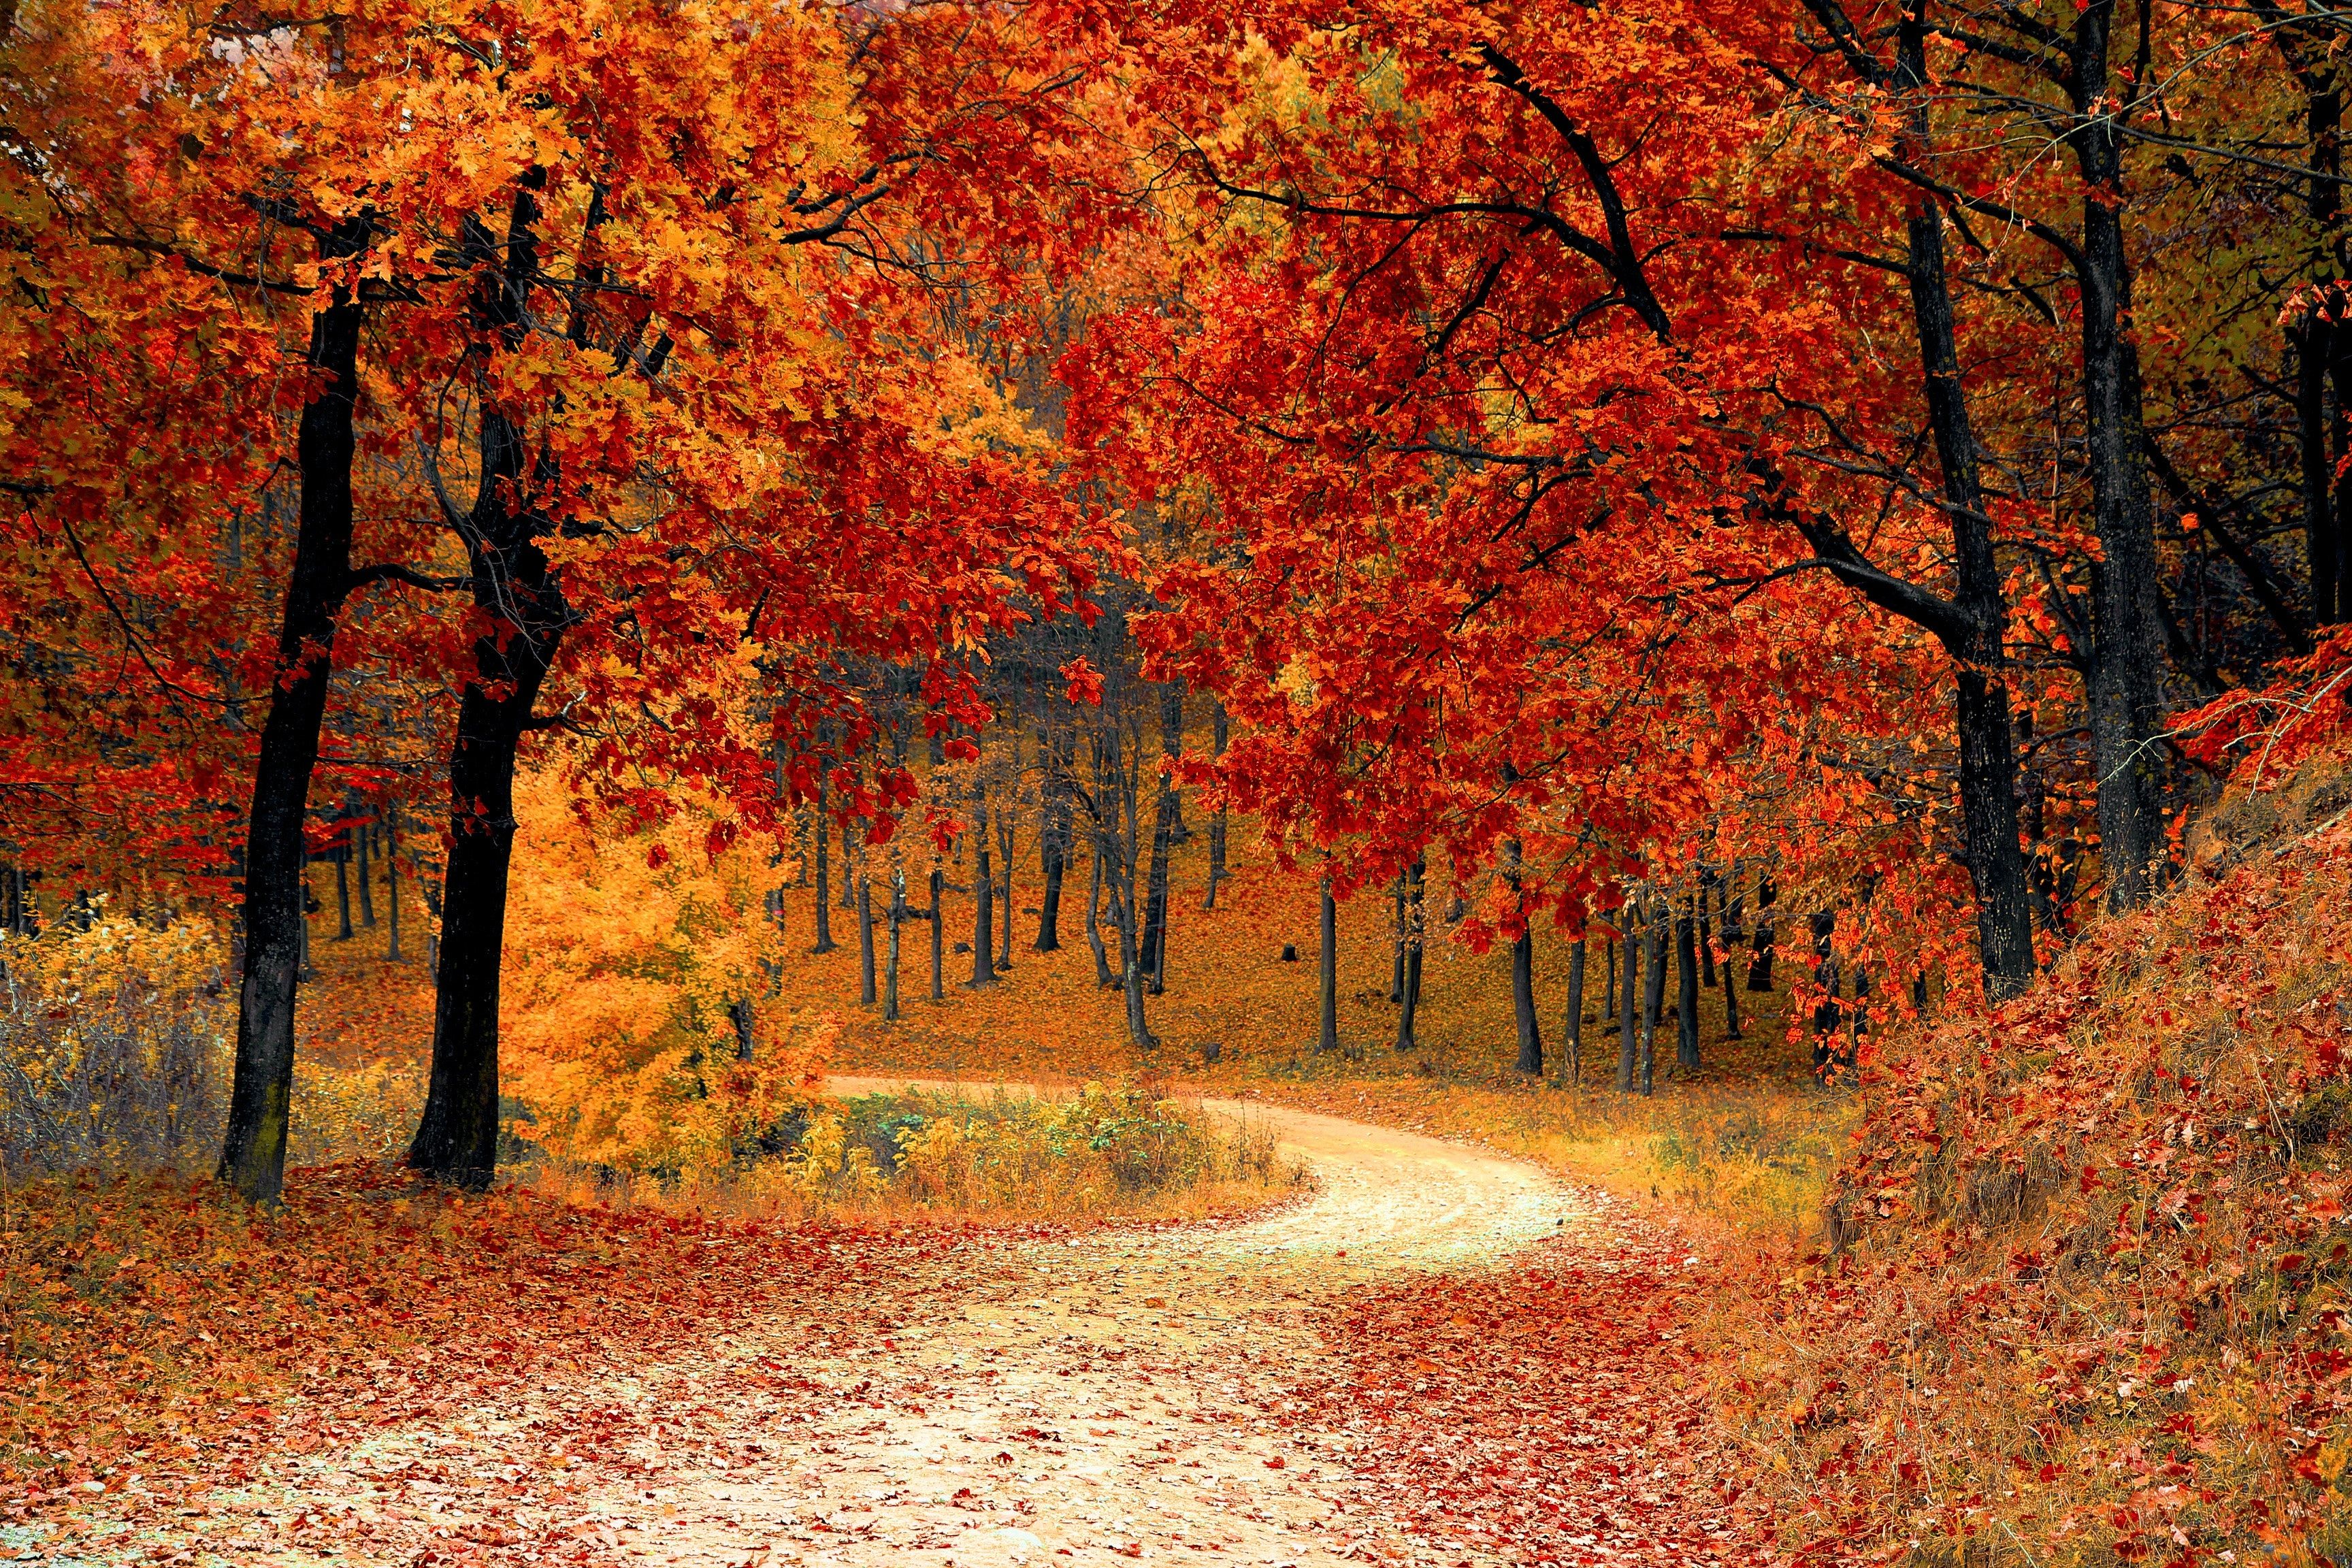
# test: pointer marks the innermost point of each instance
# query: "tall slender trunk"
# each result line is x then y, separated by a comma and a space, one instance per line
1103, 978
825, 942
1523, 1004
1164, 831
518, 593
1057, 748
1572, 1035
739, 1013
897, 917
938, 938
1653, 992
1628, 1030
253, 1152
367, 893
1326, 964
1686, 985
2127, 652
984, 897
1759, 966
1217, 733
1409, 992
1008, 825
864, 936
343, 895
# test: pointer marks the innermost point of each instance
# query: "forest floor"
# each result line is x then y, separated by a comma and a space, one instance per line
1440, 1355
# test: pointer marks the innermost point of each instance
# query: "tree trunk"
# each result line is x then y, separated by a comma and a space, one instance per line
1686, 985
516, 593
343, 895
1103, 978
1760, 967
984, 899
1164, 831
1057, 752
1008, 822
2127, 658
1326, 1027
1409, 994
1217, 729
367, 894
253, 1152
739, 1013
864, 938
1628, 1021
898, 917
825, 942
1572, 1036
1523, 1004
938, 942
1987, 783
1653, 993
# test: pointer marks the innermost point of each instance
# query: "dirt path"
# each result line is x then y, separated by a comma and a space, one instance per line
1121, 1395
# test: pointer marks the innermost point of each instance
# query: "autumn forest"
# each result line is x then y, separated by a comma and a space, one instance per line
1437, 783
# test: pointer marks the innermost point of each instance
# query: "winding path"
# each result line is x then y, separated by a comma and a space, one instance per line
1116, 1396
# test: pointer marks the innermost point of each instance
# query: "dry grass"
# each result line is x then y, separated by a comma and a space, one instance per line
924, 1155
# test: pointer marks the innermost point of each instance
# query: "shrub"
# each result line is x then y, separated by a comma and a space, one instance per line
114, 1049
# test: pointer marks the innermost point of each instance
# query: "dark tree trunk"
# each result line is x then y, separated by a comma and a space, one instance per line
1103, 978
1759, 966
1686, 989
1217, 726
1628, 1021
1572, 1067
740, 1013
898, 917
1826, 1011
939, 939
1653, 993
1523, 1004
864, 938
1058, 752
1008, 822
984, 900
825, 942
367, 893
1409, 992
1163, 833
1327, 962
517, 592
2127, 665
253, 1152
343, 895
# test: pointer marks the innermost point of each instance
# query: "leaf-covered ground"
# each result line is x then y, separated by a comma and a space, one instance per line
1441, 1356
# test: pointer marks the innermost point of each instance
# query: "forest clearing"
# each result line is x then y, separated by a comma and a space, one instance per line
1469, 782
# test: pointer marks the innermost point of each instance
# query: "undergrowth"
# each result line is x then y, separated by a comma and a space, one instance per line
2084, 1291
1125, 1151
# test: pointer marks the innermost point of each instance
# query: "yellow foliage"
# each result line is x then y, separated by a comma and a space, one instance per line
627, 956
